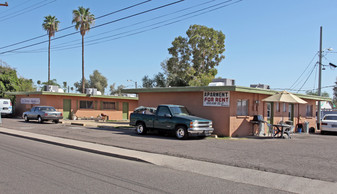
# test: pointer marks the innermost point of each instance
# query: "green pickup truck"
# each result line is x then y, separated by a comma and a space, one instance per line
170, 118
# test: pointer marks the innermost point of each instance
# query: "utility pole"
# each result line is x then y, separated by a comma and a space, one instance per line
319, 80
5, 4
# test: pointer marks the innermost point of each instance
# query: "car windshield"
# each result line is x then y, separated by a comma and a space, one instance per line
47, 109
330, 118
179, 110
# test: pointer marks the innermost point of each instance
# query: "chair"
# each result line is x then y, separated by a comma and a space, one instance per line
289, 130
271, 129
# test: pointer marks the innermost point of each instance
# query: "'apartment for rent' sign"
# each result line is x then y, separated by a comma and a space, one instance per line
216, 99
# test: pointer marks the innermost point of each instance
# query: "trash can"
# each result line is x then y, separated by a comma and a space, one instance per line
261, 129
306, 127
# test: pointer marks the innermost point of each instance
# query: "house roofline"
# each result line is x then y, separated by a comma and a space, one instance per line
69, 94
218, 88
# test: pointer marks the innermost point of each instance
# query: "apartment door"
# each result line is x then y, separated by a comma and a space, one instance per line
66, 108
125, 110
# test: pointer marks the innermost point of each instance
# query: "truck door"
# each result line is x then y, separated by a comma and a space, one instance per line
163, 119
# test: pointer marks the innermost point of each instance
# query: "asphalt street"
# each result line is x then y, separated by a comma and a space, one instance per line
33, 167
305, 155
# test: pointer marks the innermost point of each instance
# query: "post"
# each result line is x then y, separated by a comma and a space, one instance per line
136, 85
319, 81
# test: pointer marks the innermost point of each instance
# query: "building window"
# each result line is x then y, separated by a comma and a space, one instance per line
109, 105
309, 110
242, 108
268, 110
284, 107
277, 107
290, 112
86, 104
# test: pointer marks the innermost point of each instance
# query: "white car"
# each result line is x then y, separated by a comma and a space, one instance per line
329, 123
5, 106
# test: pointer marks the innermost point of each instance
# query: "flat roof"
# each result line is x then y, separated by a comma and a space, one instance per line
219, 88
70, 94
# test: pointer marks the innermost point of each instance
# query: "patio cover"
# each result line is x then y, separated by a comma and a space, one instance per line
285, 96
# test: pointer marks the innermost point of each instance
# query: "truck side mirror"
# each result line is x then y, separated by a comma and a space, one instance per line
168, 115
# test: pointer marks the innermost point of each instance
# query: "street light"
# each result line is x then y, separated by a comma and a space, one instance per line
129, 80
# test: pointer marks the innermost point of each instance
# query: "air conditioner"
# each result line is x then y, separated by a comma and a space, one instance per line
91, 91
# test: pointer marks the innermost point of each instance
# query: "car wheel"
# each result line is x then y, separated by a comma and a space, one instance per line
26, 118
181, 132
39, 119
141, 129
56, 121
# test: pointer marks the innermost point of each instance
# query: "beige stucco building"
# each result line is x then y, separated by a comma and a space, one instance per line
231, 108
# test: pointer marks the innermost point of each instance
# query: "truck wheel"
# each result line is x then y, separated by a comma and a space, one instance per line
56, 121
181, 132
141, 129
39, 119
26, 118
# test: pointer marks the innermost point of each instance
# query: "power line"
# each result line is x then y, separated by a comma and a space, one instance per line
307, 77
296, 82
29, 10
123, 9
110, 22
100, 40
134, 24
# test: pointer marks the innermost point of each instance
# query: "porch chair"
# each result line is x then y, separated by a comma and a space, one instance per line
271, 130
289, 130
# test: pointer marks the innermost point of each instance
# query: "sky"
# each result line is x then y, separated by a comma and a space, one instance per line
267, 42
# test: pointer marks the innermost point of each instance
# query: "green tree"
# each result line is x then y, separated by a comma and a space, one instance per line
116, 91
83, 20
324, 94
52, 82
9, 82
147, 82
79, 85
158, 80
98, 81
195, 58
51, 25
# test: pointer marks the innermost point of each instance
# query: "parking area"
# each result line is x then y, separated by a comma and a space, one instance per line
305, 155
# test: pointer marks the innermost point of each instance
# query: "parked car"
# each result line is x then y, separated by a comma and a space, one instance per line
6, 107
329, 123
42, 113
170, 118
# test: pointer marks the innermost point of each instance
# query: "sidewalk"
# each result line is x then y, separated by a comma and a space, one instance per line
236, 174
98, 124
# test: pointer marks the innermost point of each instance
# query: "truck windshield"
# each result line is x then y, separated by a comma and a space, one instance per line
180, 110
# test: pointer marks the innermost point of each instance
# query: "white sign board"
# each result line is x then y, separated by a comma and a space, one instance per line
216, 99
30, 100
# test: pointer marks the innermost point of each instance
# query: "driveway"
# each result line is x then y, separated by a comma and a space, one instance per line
305, 155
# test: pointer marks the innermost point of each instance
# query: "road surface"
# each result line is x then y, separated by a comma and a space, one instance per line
33, 167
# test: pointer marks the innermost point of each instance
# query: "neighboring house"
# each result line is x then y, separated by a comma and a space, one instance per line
231, 108
79, 105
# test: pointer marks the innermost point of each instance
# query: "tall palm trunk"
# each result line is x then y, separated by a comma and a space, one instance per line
49, 61
83, 79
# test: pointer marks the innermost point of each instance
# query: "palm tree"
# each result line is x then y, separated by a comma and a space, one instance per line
51, 25
83, 19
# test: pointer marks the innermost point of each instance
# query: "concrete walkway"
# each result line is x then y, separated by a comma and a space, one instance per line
98, 124
242, 175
